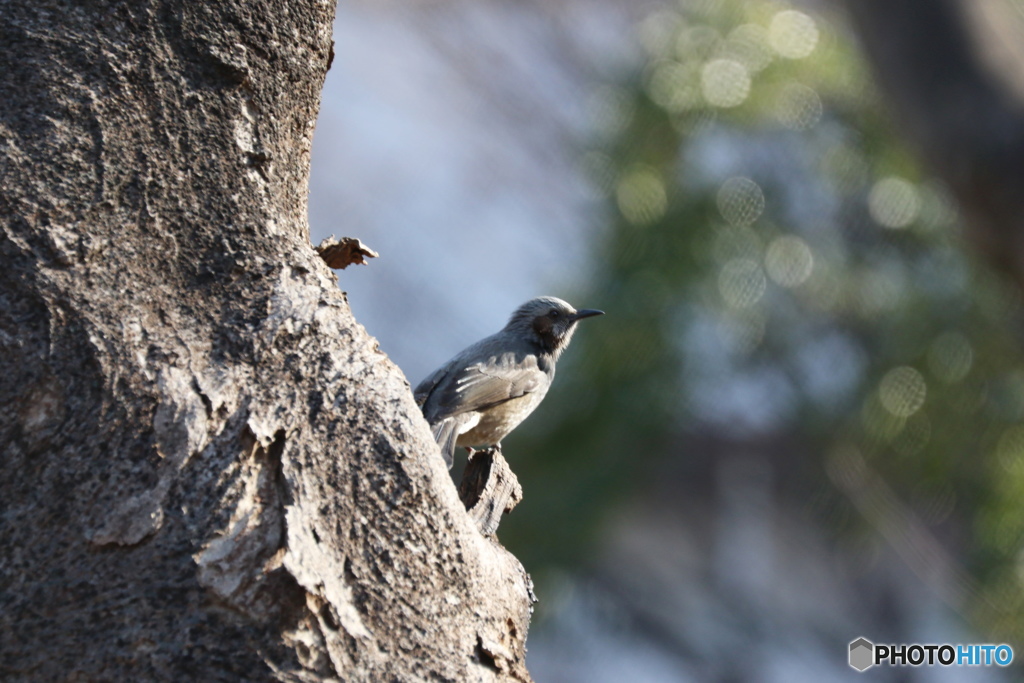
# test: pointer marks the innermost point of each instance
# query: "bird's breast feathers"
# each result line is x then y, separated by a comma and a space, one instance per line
496, 422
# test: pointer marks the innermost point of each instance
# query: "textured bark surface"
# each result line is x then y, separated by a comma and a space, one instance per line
209, 470
953, 71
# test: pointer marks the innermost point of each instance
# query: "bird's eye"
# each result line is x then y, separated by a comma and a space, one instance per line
554, 314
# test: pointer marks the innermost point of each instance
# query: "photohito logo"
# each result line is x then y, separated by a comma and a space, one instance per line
864, 654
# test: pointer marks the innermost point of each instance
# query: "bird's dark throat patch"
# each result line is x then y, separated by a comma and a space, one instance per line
547, 332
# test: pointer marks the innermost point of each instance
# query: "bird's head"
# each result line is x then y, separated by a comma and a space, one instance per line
549, 321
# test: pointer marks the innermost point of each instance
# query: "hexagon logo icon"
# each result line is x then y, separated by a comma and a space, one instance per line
862, 654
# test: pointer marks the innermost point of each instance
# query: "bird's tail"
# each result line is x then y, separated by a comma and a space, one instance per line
445, 433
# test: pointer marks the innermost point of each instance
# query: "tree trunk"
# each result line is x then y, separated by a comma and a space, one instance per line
209, 470
952, 70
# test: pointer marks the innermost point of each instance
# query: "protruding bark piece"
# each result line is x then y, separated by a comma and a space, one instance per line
489, 489
340, 254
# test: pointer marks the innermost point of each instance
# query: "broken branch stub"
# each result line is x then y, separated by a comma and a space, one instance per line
489, 489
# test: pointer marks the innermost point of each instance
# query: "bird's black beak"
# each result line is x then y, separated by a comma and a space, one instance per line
586, 313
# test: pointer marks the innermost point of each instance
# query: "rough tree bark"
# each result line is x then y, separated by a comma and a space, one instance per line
208, 471
953, 71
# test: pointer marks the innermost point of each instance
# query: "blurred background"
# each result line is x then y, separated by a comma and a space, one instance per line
802, 420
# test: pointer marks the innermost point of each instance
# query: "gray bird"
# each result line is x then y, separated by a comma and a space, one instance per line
479, 396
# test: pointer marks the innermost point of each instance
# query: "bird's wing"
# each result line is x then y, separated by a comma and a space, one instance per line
485, 384
423, 389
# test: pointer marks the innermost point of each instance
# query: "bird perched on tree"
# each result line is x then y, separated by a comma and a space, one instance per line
479, 396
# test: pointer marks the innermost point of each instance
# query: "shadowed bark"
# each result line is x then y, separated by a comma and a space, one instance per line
209, 470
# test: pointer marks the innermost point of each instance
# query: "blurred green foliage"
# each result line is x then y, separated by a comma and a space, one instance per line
774, 260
